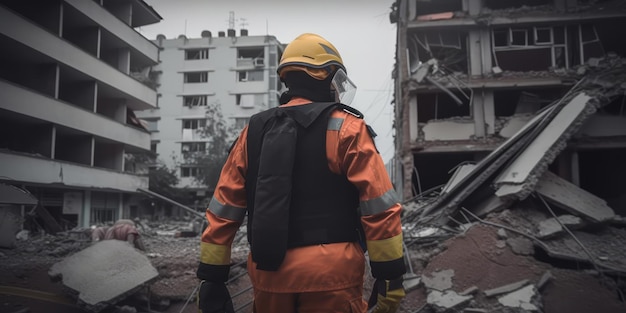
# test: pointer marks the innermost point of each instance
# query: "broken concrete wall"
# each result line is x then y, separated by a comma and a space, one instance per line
457, 129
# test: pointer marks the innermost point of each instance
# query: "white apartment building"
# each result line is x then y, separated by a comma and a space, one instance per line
238, 72
67, 95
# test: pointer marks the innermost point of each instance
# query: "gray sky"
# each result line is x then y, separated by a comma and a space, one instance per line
359, 29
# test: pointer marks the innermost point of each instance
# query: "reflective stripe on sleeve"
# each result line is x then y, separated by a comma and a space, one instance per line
214, 254
380, 204
335, 123
227, 211
386, 249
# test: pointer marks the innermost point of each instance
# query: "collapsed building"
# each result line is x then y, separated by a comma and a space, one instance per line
471, 73
511, 136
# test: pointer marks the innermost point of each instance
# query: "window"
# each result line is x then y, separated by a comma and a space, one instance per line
196, 54
519, 37
194, 123
187, 147
196, 77
153, 146
543, 36
245, 100
152, 125
192, 101
187, 171
500, 38
250, 76
241, 122
104, 207
251, 53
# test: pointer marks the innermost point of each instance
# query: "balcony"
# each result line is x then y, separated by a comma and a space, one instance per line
39, 170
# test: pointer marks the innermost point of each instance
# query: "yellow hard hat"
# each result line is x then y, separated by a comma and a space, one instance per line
310, 53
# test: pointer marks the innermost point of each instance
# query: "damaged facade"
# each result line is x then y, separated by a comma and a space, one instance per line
512, 132
470, 73
71, 74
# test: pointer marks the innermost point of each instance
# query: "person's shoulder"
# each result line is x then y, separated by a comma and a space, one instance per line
349, 111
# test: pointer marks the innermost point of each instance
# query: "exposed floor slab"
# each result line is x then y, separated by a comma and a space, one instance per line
544, 147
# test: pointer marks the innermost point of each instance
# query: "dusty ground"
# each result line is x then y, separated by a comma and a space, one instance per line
480, 258
26, 287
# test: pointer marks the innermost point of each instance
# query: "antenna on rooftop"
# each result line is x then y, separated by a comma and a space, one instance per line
231, 20
243, 23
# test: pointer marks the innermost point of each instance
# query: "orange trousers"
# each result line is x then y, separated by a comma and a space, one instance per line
334, 301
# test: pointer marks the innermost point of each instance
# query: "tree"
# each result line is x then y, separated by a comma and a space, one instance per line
163, 181
220, 136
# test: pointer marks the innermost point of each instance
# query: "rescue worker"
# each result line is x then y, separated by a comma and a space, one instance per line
315, 192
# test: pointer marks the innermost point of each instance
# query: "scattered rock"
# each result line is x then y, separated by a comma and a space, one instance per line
440, 280
447, 299
521, 298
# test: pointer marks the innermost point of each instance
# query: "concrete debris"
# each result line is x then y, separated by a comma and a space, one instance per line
521, 298
552, 226
104, 273
447, 299
603, 248
469, 291
521, 245
506, 288
440, 280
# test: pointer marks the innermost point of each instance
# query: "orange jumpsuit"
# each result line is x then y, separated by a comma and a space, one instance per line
325, 277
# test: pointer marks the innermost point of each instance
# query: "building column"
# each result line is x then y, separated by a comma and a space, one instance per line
120, 206
84, 217
489, 110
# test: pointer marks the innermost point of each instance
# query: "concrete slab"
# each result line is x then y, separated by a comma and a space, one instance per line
521, 298
543, 146
447, 299
488, 205
513, 125
440, 280
104, 273
573, 199
460, 173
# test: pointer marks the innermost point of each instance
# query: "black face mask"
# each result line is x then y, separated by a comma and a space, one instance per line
300, 84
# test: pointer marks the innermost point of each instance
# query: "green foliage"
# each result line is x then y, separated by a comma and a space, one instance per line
220, 136
163, 181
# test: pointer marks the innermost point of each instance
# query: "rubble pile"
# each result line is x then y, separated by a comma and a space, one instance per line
508, 235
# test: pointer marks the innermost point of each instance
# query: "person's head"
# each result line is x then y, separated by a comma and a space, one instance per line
311, 66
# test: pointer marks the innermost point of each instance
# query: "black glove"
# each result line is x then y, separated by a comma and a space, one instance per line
214, 298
